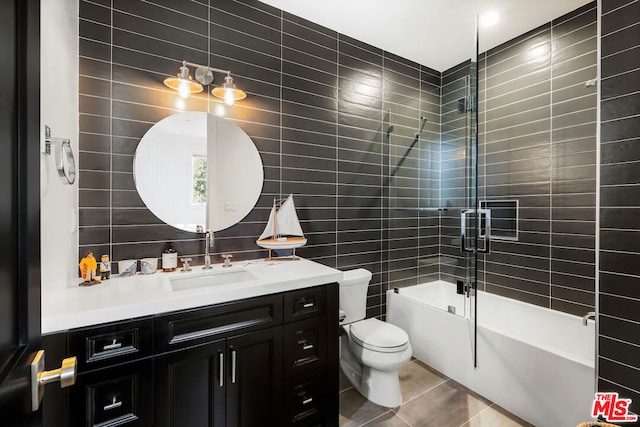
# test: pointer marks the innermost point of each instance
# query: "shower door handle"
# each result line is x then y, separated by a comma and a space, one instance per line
463, 230
487, 230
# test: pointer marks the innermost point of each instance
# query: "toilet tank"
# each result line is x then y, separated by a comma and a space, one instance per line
353, 294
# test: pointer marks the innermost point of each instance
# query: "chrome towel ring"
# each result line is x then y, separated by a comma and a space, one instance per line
63, 154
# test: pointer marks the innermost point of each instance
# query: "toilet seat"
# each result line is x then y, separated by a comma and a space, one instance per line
379, 336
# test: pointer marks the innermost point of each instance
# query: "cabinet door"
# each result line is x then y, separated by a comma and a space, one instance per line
254, 394
190, 387
116, 396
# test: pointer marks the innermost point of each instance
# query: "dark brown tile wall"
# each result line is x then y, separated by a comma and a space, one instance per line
456, 174
619, 296
319, 108
537, 140
412, 175
317, 101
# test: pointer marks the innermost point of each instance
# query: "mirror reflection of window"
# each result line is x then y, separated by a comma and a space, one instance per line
199, 188
202, 181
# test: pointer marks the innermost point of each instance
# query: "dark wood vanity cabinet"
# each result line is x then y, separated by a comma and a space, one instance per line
119, 395
114, 385
264, 361
216, 361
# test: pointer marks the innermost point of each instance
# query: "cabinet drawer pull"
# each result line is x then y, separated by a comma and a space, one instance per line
307, 347
233, 366
114, 345
113, 405
221, 369
308, 305
307, 401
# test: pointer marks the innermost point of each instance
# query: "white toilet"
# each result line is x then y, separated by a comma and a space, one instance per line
371, 351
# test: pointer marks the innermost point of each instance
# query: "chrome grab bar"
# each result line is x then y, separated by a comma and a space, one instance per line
487, 230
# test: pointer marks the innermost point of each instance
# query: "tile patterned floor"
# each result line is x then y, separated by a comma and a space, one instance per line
429, 399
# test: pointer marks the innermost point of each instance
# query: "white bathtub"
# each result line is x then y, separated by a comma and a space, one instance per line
535, 362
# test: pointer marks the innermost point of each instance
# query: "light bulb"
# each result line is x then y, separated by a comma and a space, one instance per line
183, 88
220, 111
229, 97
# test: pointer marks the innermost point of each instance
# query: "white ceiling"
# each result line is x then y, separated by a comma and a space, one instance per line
435, 33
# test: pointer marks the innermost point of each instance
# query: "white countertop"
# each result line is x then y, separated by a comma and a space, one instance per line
141, 295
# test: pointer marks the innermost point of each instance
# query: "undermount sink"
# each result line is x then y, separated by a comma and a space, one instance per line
211, 278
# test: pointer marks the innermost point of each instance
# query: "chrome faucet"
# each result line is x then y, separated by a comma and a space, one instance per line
208, 242
589, 315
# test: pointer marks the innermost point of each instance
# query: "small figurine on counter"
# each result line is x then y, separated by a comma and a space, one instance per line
105, 268
88, 266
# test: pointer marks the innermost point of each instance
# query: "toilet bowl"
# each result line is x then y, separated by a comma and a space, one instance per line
371, 351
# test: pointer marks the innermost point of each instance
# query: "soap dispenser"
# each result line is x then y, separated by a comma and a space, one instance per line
169, 259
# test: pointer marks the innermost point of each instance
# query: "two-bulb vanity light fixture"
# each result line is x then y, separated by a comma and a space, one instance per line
185, 85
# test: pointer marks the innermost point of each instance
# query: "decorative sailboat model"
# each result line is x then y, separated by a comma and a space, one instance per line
283, 230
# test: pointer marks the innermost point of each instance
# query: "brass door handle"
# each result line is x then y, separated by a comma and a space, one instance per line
66, 374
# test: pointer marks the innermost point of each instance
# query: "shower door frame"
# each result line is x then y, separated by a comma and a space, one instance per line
474, 213
474, 148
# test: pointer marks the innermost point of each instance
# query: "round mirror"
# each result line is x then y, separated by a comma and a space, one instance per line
197, 172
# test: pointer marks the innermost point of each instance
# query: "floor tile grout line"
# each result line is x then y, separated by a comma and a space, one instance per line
375, 418
392, 411
477, 415
406, 422
423, 392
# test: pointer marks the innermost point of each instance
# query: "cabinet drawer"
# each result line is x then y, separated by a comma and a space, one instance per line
305, 345
100, 346
304, 303
120, 395
306, 399
189, 328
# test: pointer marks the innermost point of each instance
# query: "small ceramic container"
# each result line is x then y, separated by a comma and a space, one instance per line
127, 267
149, 265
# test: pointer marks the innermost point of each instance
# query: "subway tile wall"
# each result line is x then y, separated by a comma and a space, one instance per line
619, 296
412, 107
457, 175
335, 121
316, 107
537, 145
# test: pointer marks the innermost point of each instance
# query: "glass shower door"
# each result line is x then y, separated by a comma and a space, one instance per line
480, 218
464, 226
434, 225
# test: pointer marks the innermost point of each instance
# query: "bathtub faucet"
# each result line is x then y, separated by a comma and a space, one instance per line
589, 315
